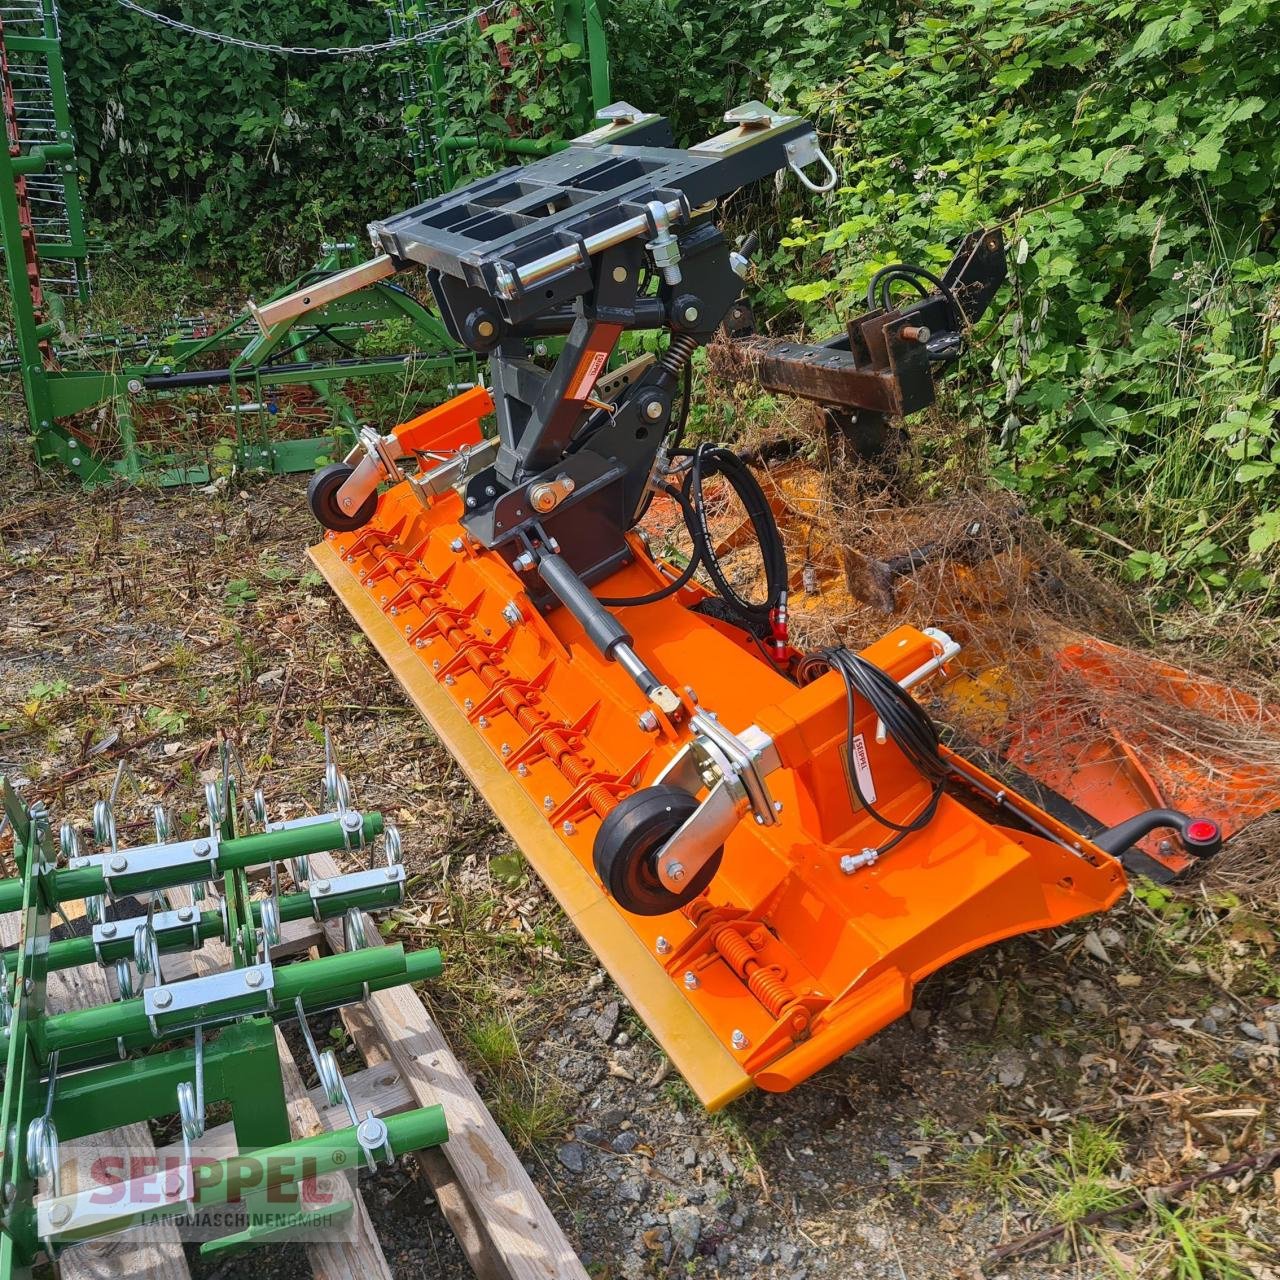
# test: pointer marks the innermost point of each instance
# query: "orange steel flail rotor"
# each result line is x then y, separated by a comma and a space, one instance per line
801, 947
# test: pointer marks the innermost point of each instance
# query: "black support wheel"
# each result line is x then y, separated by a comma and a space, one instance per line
626, 848
322, 498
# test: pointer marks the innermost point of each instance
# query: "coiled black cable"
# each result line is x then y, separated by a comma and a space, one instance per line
905, 721
708, 460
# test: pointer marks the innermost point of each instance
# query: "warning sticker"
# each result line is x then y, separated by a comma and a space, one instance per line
862, 766
588, 371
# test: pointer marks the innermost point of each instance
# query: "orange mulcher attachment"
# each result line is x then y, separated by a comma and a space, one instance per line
806, 940
767, 849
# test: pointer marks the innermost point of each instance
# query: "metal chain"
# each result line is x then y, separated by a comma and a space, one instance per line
310, 51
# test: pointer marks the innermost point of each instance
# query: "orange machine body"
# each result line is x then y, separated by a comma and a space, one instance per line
786, 961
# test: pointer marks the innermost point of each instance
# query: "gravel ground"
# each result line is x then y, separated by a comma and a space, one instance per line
1036, 1082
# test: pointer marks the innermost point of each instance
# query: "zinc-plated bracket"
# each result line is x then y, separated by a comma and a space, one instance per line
216, 997
801, 153
733, 768
327, 895
122, 868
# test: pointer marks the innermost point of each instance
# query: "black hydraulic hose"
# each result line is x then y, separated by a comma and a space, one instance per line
676, 583
717, 460
906, 722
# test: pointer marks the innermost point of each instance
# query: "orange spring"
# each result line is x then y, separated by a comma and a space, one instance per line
762, 981
557, 746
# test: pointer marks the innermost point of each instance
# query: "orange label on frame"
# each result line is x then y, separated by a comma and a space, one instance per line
593, 361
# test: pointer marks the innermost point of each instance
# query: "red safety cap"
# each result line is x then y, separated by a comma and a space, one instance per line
1202, 830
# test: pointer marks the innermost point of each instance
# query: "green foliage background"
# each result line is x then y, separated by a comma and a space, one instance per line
1128, 380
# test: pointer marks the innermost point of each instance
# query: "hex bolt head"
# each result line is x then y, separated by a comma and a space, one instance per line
483, 722
568, 828
456, 545
739, 1040
467, 704
690, 314
691, 979
548, 802
119, 863
449, 680
200, 849
647, 721
185, 914
320, 886
653, 410
253, 978
60, 1214
675, 871
522, 769
108, 930
511, 612
506, 748
163, 999
352, 821
661, 946
777, 806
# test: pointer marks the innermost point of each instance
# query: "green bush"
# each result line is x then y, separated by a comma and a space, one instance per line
1129, 151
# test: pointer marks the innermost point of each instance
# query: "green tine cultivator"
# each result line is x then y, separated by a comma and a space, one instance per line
173, 1044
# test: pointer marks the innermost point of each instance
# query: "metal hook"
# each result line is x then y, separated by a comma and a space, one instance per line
802, 152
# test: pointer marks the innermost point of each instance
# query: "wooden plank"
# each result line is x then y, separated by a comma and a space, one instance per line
521, 1228
160, 1256
330, 1260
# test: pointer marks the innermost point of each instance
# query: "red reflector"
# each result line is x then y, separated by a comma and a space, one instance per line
1201, 830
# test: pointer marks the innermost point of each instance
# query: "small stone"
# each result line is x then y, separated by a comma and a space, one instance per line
607, 1023
573, 1157
625, 1142
1011, 1068
1251, 1030
688, 1157
686, 1230
1209, 1024
632, 1189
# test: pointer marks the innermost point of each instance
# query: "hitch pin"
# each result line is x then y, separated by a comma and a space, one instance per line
948, 648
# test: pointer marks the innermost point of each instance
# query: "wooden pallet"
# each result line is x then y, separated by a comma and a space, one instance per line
504, 1226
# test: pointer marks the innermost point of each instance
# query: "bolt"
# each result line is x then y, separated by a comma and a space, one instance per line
108, 930
449, 680
467, 704
914, 333
321, 886
522, 770
777, 806
485, 328
435, 664
568, 828
662, 946
647, 721
483, 722
691, 980
675, 871
653, 410
29, 986
395, 612
185, 914
693, 695
690, 314
506, 748
163, 999
739, 1040
511, 612
119, 863
759, 819
60, 1214
619, 274
456, 545
253, 978
419, 643
352, 821
548, 802
200, 849
392, 873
